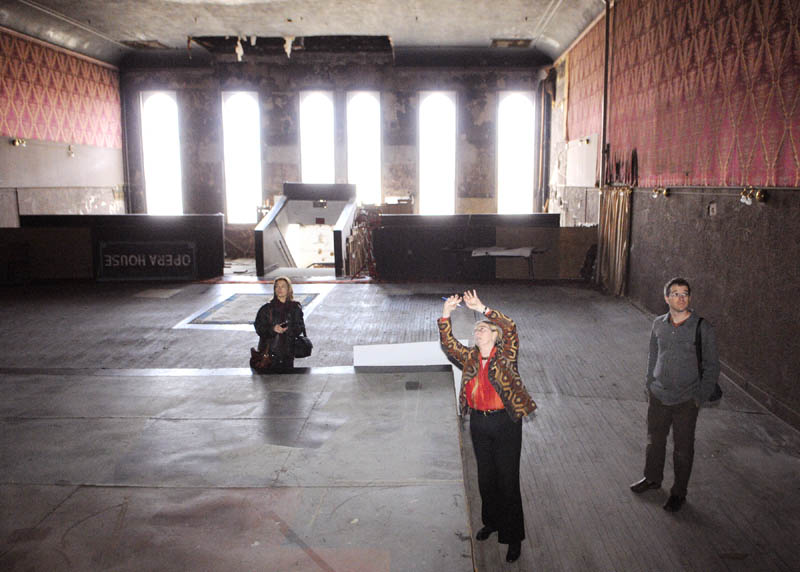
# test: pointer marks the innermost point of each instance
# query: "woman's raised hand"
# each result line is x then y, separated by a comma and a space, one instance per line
450, 305
473, 302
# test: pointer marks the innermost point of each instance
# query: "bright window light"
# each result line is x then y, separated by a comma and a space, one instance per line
162, 154
316, 137
437, 153
241, 127
364, 145
516, 148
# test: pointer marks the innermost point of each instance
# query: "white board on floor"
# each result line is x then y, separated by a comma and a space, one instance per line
414, 353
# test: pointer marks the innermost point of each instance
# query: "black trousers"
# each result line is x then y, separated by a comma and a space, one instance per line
683, 420
497, 441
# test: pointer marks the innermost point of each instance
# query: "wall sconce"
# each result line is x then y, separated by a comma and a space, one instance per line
663, 191
238, 50
17, 142
749, 193
70, 151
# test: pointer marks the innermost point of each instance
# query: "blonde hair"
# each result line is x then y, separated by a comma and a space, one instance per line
492, 326
289, 294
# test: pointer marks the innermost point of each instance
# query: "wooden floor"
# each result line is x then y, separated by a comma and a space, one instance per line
583, 359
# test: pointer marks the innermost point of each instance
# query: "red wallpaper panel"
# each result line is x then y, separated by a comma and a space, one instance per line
48, 94
708, 93
585, 88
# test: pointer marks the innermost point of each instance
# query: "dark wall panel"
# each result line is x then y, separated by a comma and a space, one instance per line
140, 236
431, 253
419, 248
744, 267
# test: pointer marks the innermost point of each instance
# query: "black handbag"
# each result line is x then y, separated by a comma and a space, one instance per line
302, 345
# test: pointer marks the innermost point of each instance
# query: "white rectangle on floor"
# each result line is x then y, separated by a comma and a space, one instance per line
414, 353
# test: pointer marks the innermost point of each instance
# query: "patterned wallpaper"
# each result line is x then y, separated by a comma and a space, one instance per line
707, 93
51, 95
585, 86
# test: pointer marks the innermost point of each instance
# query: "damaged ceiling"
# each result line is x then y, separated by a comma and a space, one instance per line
537, 31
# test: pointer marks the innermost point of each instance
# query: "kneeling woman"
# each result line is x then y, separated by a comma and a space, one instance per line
278, 323
496, 400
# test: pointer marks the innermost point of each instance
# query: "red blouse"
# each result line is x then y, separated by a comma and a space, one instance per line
480, 393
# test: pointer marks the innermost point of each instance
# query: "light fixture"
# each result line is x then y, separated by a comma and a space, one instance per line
18, 142
70, 151
749, 193
746, 197
663, 191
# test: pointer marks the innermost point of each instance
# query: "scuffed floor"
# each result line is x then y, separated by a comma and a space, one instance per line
132, 441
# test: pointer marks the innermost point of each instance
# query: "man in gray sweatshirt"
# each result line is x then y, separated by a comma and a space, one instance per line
676, 387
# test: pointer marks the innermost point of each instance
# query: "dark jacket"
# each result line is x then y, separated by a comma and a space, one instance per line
503, 370
272, 313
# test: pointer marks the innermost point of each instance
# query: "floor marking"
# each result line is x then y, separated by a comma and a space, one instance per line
209, 372
162, 293
320, 291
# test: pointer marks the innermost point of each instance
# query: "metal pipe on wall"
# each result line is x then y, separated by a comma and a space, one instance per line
603, 128
126, 183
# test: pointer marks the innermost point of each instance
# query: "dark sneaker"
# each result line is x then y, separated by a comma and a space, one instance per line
644, 485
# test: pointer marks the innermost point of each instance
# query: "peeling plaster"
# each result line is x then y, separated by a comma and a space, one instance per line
480, 111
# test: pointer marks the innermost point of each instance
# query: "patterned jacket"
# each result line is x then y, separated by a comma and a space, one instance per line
503, 371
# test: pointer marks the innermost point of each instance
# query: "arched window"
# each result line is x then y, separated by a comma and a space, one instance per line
161, 153
516, 147
437, 152
241, 127
364, 145
316, 137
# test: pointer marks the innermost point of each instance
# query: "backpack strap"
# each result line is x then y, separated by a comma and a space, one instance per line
698, 346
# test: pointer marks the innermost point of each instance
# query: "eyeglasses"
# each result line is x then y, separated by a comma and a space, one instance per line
678, 294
